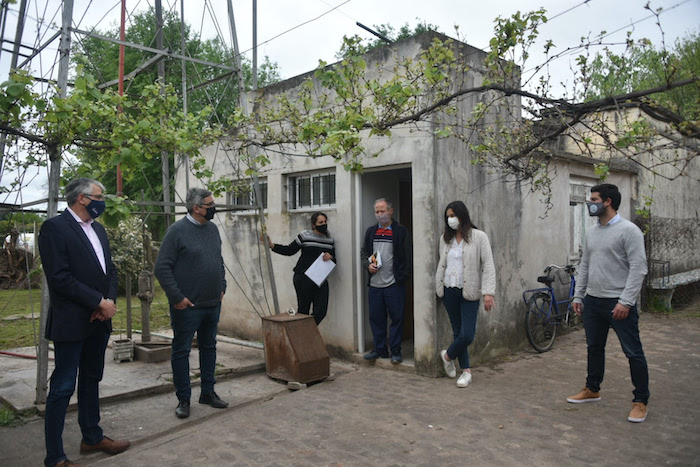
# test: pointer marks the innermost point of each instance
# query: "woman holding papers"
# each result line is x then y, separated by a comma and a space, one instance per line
465, 273
314, 244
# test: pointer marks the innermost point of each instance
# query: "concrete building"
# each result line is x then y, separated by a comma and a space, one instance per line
421, 174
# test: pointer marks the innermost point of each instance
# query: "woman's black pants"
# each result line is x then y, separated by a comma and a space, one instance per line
309, 293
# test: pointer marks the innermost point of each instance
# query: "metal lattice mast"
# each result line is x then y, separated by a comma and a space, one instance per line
52, 209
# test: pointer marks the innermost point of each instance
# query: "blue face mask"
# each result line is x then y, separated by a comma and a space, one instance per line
95, 208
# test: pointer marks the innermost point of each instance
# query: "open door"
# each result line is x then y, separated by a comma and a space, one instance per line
396, 186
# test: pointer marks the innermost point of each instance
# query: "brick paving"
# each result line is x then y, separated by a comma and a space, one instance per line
514, 413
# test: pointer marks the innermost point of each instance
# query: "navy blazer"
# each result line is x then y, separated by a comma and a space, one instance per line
76, 281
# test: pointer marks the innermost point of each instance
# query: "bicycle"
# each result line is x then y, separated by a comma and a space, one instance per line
543, 314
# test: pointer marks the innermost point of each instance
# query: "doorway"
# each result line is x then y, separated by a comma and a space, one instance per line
395, 185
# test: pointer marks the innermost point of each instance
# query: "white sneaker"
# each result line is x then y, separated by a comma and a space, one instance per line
449, 365
464, 380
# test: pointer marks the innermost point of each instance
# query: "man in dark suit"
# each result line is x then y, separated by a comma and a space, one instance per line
82, 284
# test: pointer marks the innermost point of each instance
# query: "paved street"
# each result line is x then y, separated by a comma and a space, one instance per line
514, 413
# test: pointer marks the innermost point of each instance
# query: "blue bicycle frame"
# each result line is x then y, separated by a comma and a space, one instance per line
548, 280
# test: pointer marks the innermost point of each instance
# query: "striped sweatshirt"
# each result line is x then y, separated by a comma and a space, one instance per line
311, 245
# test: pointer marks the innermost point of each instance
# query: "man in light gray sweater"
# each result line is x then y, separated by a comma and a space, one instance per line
610, 278
191, 271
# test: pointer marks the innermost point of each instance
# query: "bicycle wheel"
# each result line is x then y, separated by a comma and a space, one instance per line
541, 331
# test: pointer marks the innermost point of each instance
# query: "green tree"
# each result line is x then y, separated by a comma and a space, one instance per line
126, 241
643, 66
114, 129
101, 58
511, 130
388, 31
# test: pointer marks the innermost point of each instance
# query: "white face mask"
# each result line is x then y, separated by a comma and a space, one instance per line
453, 222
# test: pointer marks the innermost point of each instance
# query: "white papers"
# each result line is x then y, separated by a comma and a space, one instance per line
319, 270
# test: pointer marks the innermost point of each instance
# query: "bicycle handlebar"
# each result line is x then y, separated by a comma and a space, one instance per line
568, 267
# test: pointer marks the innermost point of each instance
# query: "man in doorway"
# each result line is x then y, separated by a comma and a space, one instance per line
610, 278
386, 254
190, 269
82, 283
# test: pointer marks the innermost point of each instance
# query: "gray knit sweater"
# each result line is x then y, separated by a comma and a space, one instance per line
190, 265
613, 264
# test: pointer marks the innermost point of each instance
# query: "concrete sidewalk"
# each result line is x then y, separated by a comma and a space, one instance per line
514, 413
123, 380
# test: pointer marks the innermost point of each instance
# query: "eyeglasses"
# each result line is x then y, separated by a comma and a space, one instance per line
207, 204
90, 196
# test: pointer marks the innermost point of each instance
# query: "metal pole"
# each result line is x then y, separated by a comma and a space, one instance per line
127, 285
146, 291
13, 64
256, 184
183, 52
122, 36
18, 34
164, 156
54, 151
5, 6
255, 45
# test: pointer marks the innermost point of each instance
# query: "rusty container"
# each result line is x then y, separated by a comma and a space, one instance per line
294, 349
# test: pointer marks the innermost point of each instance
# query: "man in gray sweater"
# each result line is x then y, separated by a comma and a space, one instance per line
191, 271
610, 278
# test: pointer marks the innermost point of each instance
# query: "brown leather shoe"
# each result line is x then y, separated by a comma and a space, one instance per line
107, 445
586, 395
66, 463
638, 413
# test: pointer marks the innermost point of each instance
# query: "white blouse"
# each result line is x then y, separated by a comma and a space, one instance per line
454, 266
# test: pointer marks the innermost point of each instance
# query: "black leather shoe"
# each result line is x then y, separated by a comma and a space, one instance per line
183, 409
213, 400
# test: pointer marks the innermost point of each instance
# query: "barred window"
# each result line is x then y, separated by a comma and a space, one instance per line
311, 190
244, 194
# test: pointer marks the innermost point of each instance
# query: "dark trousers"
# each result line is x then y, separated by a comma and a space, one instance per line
463, 314
85, 360
597, 319
205, 322
309, 293
388, 300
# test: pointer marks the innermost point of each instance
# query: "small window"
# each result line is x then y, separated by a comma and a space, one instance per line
311, 190
244, 194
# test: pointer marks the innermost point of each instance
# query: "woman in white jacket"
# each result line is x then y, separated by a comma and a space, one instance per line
464, 274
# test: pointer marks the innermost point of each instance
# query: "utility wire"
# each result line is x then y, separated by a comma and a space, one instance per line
296, 27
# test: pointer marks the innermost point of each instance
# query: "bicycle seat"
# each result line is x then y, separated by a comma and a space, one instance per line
546, 279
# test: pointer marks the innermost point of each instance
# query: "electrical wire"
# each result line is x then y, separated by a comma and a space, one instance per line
296, 27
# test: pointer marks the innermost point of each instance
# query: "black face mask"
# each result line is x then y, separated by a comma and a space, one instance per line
322, 228
210, 213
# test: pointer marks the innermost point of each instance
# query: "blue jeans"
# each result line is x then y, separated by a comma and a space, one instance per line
597, 319
463, 314
185, 323
388, 300
85, 360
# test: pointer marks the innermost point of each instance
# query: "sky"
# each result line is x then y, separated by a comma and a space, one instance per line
296, 34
